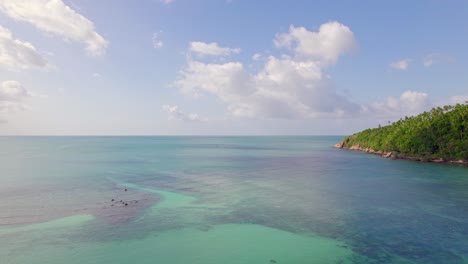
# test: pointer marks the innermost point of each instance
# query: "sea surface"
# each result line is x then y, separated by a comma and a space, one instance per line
224, 200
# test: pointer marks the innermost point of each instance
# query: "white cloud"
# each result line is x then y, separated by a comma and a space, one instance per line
213, 49
17, 54
12, 95
401, 64
53, 16
409, 103
286, 87
436, 58
157, 40
459, 99
414, 102
228, 81
256, 56
176, 114
324, 46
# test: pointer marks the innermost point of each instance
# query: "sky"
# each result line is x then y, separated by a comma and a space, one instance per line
226, 67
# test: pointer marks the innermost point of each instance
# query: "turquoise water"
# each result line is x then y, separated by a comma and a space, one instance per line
224, 200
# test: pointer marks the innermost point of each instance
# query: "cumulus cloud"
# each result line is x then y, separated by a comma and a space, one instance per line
401, 65
12, 95
409, 103
157, 40
289, 86
16, 54
286, 88
324, 46
176, 114
459, 99
228, 81
53, 16
213, 49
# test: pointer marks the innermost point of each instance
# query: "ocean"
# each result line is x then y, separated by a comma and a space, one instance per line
224, 200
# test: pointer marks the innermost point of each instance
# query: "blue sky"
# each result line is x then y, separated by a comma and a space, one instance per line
150, 67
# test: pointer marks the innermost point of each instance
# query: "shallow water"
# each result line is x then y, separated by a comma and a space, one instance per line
224, 200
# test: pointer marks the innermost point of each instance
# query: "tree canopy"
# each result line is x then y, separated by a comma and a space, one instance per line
439, 133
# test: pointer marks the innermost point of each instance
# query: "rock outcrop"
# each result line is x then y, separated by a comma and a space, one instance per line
396, 155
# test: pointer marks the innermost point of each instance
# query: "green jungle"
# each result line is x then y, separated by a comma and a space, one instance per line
440, 133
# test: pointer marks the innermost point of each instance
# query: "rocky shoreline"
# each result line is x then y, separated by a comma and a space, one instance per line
397, 155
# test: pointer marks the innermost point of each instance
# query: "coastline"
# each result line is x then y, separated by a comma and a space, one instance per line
396, 155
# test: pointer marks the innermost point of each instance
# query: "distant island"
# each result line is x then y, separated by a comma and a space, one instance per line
440, 135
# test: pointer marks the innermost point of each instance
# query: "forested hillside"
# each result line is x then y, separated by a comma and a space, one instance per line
441, 133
